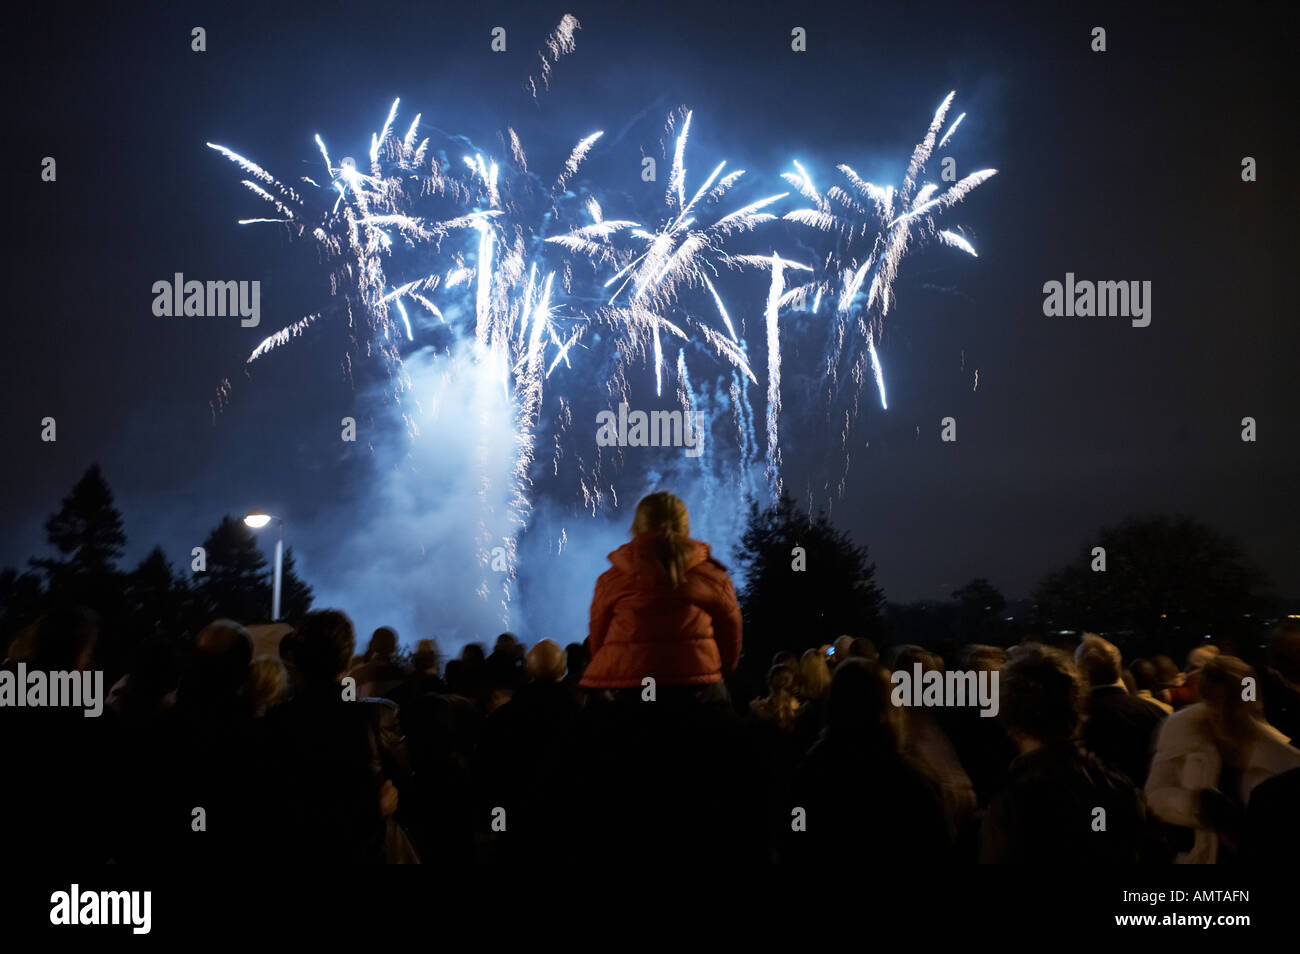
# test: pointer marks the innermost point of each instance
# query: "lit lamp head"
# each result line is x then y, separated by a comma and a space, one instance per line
257, 520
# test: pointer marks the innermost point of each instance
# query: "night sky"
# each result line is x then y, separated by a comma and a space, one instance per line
1123, 165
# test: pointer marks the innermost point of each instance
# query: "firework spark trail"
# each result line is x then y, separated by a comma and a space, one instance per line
951, 129
281, 337
774, 376
416, 230
512, 329
676, 255
873, 228
687, 398
957, 241
771, 312
559, 43
575, 159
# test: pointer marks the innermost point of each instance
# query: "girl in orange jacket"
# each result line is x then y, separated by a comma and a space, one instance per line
665, 609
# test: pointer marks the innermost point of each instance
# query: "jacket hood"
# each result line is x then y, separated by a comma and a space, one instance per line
637, 556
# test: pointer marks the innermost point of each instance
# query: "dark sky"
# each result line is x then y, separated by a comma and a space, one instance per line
1123, 165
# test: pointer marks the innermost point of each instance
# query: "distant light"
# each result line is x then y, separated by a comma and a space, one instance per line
257, 520
1163, 615
1293, 615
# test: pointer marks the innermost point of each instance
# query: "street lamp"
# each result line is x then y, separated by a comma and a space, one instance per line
256, 521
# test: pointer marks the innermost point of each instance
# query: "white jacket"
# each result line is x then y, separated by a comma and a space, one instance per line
1186, 760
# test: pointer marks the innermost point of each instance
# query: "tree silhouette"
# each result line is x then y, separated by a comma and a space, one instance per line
979, 608
796, 599
152, 600
1163, 575
235, 584
87, 530
295, 596
157, 598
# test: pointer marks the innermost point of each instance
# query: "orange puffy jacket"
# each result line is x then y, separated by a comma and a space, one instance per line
641, 626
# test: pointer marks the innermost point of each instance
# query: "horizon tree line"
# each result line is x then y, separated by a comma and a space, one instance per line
1168, 582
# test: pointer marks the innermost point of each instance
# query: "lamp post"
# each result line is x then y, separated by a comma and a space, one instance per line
256, 521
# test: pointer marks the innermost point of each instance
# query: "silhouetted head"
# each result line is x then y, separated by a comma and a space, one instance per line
1284, 649
1098, 660
814, 675
1041, 696
508, 644
155, 672
426, 658
858, 702
780, 679
982, 658
546, 662
863, 648
472, 654
787, 659
1222, 687
1201, 655
324, 645
1167, 671
219, 666
906, 657
62, 640
578, 659
383, 642
1145, 676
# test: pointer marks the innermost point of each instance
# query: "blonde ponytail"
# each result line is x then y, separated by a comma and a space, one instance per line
665, 516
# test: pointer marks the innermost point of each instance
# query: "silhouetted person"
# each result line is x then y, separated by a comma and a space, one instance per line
665, 610
840, 650
425, 676
926, 742
813, 686
864, 805
380, 674
59, 783
505, 667
1048, 812
1186, 691
787, 660
343, 762
1272, 822
471, 674
1168, 677
780, 706
197, 777
981, 742
862, 648
577, 659
148, 687
668, 759
528, 758
1209, 758
1147, 685
1119, 728
1281, 680
442, 732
